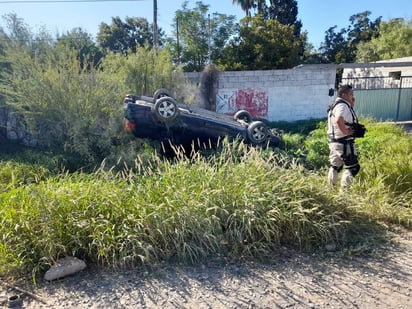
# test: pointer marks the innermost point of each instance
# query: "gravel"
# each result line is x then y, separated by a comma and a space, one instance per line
376, 278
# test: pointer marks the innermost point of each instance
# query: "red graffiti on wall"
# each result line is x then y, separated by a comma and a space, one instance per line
253, 100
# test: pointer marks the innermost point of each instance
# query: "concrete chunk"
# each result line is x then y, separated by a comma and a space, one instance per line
64, 267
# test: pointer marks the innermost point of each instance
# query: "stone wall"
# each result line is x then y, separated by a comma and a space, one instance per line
13, 129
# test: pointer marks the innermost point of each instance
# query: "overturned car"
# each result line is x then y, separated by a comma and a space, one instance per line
162, 118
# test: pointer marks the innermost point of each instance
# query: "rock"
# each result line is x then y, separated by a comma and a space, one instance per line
13, 128
330, 247
64, 267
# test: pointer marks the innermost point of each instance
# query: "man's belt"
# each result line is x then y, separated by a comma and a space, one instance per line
342, 140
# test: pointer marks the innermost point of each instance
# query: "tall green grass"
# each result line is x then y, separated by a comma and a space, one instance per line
186, 210
239, 202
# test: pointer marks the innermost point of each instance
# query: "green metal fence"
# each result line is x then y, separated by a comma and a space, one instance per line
383, 98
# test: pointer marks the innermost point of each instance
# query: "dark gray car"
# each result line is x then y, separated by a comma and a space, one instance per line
162, 118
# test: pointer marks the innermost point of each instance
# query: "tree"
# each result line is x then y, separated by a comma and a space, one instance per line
122, 37
81, 41
362, 29
19, 33
285, 12
334, 49
310, 54
341, 47
200, 36
3, 41
262, 45
246, 5
394, 41
19, 37
17, 40
144, 71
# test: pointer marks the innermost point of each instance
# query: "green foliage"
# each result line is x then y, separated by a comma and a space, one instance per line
139, 209
188, 209
125, 37
240, 202
13, 174
303, 127
65, 107
305, 143
262, 45
362, 29
285, 12
394, 41
19, 35
341, 47
334, 48
82, 42
71, 106
246, 5
143, 72
317, 149
17, 154
201, 36
384, 160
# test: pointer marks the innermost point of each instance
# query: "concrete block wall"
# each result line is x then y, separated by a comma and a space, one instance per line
277, 95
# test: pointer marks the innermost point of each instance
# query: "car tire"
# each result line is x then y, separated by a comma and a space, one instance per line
160, 93
257, 133
243, 115
275, 141
166, 110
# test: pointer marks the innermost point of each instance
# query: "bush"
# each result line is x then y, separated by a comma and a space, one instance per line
76, 108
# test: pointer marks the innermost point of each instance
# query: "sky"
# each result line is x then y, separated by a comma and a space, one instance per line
61, 16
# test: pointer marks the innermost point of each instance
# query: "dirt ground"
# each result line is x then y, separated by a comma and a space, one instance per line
380, 278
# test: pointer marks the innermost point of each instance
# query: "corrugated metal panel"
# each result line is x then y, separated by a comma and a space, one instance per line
377, 104
383, 99
405, 105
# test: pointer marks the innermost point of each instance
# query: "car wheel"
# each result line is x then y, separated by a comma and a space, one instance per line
160, 93
243, 115
257, 132
166, 109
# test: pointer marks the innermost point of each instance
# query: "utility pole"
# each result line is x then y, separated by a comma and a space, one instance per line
208, 34
154, 23
177, 40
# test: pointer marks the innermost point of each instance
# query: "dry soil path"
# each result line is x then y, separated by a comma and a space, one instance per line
380, 278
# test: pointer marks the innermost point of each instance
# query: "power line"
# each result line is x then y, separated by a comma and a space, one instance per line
61, 1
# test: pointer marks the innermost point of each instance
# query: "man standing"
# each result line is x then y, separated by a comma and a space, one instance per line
341, 120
